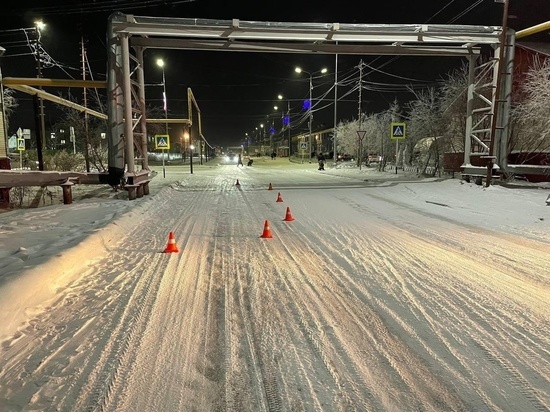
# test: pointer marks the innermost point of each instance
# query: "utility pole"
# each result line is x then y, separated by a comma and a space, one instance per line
335, 156
86, 132
359, 140
288, 125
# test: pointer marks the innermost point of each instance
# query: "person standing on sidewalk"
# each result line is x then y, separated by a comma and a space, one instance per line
321, 161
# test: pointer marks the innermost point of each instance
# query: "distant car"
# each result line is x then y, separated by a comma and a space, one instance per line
231, 158
345, 157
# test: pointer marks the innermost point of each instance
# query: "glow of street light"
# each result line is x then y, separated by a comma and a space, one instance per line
298, 70
40, 25
280, 97
160, 63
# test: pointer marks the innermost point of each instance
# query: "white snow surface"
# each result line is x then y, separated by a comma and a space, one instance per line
387, 292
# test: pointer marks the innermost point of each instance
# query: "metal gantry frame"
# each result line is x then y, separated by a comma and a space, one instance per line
483, 99
125, 77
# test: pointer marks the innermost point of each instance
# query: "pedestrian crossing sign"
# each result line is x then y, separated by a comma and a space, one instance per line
162, 141
397, 131
21, 144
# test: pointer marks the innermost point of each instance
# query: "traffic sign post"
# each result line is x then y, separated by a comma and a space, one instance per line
162, 141
397, 133
21, 148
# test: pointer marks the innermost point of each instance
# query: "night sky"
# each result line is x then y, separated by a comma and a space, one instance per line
237, 91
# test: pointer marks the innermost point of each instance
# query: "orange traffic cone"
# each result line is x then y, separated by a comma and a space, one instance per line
279, 198
288, 217
171, 245
270, 187
267, 231
237, 184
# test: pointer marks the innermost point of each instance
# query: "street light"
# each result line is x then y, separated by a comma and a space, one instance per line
323, 71
262, 134
185, 143
276, 108
2, 103
160, 63
38, 27
286, 123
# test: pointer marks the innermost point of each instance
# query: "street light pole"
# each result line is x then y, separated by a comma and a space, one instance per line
299, 70
41, 129
2, 103
191, 149
310, 114
262, 134
160, 63
185, 144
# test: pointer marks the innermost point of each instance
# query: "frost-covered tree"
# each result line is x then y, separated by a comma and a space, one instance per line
87, 131
10, 104
437, 120
531, 116
346, 133
425, 129
453, 98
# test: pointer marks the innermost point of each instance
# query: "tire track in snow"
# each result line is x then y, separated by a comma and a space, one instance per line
246, 308
392, 353
168, 358
501, 327
481, 316
311, 314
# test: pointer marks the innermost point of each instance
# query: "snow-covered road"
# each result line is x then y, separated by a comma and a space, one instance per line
379, 296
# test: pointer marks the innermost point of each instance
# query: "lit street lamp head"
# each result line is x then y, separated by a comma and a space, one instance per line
40, 25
